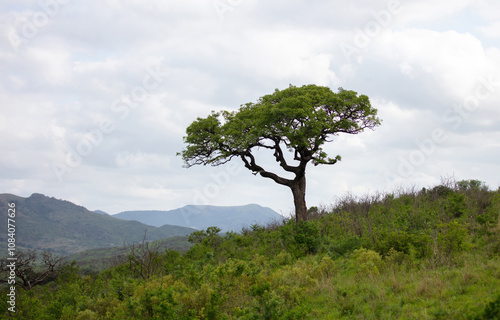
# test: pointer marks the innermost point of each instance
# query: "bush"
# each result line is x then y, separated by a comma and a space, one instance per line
403, 241
367, 261
300, 238
451, 241
325, 268
87, 315
307, 236
491, 311
338, 248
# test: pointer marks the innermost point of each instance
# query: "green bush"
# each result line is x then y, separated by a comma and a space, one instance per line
403, 241
491, 311
366, 261
325, 268
341, 247
456, 205
452, 239
87, 315
300, 238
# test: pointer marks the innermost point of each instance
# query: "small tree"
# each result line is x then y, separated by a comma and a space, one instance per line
298, 119
144, 258
29, 271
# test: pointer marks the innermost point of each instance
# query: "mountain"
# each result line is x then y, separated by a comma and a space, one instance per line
202, 217
44, 223
100, 212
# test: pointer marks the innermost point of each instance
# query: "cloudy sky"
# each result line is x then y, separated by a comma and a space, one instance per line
95, 96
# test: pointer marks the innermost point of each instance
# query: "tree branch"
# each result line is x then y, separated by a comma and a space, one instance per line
251, 165
278, 154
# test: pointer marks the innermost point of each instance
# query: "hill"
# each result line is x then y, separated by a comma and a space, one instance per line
418, 254
201, 217
44, 223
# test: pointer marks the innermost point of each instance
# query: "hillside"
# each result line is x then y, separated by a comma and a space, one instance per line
201, 217
414, 254
45, 223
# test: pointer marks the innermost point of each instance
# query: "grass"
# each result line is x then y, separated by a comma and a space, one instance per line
404, 292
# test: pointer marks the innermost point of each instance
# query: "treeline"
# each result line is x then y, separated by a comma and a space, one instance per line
413, 254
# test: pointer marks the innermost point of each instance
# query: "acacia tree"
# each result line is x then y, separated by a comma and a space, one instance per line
297, 119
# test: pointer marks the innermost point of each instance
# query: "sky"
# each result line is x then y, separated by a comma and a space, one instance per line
95, 96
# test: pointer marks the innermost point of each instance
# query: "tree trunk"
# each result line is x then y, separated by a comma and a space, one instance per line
299, 198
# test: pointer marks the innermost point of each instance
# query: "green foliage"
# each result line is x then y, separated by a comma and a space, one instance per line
87, 315
452, 239
302, 118
404, 242
456, 204
367, 261
209, 236
467, 185
403, 256
342, 247
326, 268
301, 238
491, 311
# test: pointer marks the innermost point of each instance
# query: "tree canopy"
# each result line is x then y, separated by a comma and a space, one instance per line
297, 119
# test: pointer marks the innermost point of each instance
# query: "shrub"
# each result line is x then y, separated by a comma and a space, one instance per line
491, 311
394, 257
307, 236
456, 205
284, 258
325, 268
367, 261
300, 238
338, 248
87, 315
451, 240
403, 241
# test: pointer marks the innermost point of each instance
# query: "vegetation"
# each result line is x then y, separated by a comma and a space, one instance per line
427, 254
96, 260
298, 119
29, 270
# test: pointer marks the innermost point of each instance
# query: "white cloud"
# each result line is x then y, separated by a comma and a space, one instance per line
492, 30
489, 9
429, 10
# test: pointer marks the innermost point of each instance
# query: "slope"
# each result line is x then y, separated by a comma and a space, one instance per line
44, 223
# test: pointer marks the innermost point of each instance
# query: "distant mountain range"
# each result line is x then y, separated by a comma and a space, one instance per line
44, 223
201, 217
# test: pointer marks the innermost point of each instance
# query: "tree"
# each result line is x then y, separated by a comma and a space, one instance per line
144, 258
29, 272
298, 119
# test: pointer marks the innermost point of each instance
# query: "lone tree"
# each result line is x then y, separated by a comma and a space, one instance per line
298, 119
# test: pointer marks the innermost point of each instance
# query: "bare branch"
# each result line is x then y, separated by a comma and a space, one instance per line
251, 165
